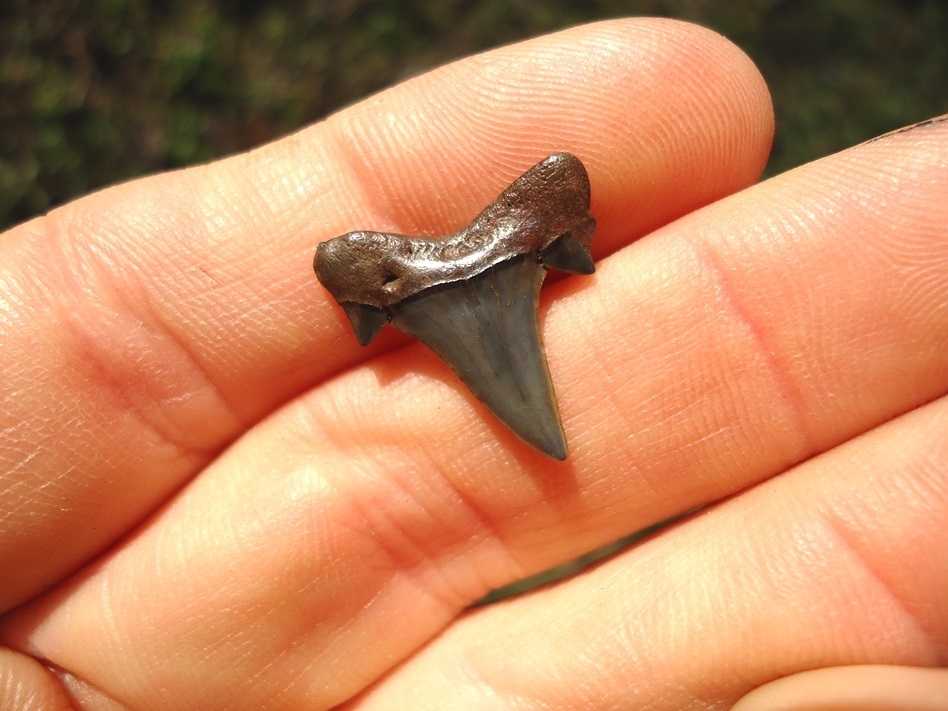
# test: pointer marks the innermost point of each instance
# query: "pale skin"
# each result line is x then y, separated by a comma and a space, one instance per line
214, 498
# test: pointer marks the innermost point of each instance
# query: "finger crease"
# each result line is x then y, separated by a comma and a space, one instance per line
788, 390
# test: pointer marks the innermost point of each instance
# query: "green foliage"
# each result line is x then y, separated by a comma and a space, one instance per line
97, 91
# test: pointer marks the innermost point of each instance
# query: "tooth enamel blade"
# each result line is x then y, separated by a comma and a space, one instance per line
486, 329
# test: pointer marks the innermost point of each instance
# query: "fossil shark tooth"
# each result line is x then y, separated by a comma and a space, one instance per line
472, 297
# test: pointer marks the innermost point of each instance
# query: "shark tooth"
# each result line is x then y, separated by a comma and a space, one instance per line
472, 297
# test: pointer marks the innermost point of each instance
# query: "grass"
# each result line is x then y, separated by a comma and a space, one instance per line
99, 91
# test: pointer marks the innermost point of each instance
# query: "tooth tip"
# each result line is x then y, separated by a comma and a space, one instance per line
538, 425
541, 430
555, 449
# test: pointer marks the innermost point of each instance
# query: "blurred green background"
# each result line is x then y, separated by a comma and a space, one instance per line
98, 91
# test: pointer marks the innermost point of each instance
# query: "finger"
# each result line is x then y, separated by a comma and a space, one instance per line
26, 686
146, 326
323, 546
853, 688
838, 562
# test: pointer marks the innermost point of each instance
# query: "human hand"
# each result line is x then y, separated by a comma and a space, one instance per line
214, 498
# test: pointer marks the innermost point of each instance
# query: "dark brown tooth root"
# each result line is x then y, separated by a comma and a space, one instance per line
472, 297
